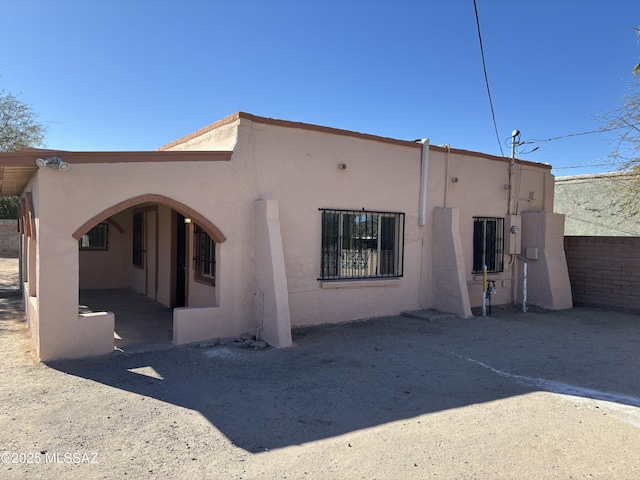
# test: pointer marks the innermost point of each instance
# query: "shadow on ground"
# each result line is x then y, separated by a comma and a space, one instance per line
337, 379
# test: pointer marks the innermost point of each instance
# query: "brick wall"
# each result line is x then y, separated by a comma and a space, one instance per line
604, 271
9, 238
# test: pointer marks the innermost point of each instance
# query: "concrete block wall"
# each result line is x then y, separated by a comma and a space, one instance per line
9, 238
604, 271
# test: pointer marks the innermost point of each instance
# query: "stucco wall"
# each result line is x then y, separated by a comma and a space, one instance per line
108, 268
477, 186
548, 277
596, 204
86, 190
299, 169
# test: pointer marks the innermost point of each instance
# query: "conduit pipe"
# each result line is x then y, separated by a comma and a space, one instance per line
484, 291
422, 217
524, 287
446, 174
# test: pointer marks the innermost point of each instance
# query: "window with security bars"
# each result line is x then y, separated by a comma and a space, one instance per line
488, 244
361, 244
95, 239
204, 259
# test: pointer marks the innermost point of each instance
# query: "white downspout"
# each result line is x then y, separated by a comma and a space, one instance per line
422, 218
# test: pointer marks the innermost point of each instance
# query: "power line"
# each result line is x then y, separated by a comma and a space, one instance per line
583, 166
587, 164
486, 78
590, 132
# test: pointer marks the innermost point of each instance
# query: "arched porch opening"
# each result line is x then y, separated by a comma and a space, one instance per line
143, 257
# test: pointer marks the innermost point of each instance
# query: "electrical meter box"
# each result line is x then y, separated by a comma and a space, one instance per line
512, 234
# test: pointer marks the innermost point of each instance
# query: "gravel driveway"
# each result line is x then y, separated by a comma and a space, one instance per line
535, 395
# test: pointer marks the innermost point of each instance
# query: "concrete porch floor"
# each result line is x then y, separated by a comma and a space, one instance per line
142, 324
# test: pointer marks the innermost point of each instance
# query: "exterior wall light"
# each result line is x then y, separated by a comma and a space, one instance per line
55, 162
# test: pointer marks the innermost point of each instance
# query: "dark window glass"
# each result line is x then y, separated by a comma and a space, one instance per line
204, 255
95, 239
488, 244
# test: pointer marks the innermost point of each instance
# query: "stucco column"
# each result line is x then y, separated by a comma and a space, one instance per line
31, 265
548, 283
450, 293
62, 332
272, 295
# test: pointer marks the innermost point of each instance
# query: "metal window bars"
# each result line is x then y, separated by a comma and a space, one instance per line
361, 244
488, 244
204, 250
96, 239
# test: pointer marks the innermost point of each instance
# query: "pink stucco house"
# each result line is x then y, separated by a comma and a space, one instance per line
259, 225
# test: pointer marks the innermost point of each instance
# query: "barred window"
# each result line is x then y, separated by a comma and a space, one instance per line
361, 244
488, 243
204, 260
95, 239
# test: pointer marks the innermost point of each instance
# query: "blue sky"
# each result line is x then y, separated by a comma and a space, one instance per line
137, 74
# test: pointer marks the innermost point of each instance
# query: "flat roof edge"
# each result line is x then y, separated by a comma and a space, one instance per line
29, 157
337, 131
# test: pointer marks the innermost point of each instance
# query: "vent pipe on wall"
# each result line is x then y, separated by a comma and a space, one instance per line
422, 217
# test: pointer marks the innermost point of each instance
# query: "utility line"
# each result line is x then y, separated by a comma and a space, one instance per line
590, 132
583, 166
486, 78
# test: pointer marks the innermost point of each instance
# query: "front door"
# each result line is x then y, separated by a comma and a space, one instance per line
181, 261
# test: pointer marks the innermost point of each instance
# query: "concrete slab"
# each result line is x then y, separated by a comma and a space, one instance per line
142, 324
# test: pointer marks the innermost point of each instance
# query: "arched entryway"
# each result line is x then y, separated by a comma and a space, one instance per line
143, 257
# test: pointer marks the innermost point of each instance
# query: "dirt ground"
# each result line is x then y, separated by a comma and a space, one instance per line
514, 395
8, 274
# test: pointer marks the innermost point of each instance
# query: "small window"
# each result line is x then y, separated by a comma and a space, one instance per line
138, 239
361, 244
204, 259
488, 235
95, 239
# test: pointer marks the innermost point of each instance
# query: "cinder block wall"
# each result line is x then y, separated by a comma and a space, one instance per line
9, 238
604, 271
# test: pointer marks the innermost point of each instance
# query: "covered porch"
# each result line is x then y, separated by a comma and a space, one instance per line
141, 323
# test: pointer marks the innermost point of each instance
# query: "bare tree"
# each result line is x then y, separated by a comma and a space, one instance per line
625, 154
636, 69
19, 128
626, 122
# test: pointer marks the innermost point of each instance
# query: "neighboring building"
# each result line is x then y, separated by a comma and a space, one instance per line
594, 205
9, 238
602, 238
260, 225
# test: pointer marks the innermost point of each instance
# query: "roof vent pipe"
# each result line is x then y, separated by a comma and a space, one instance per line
422, 217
